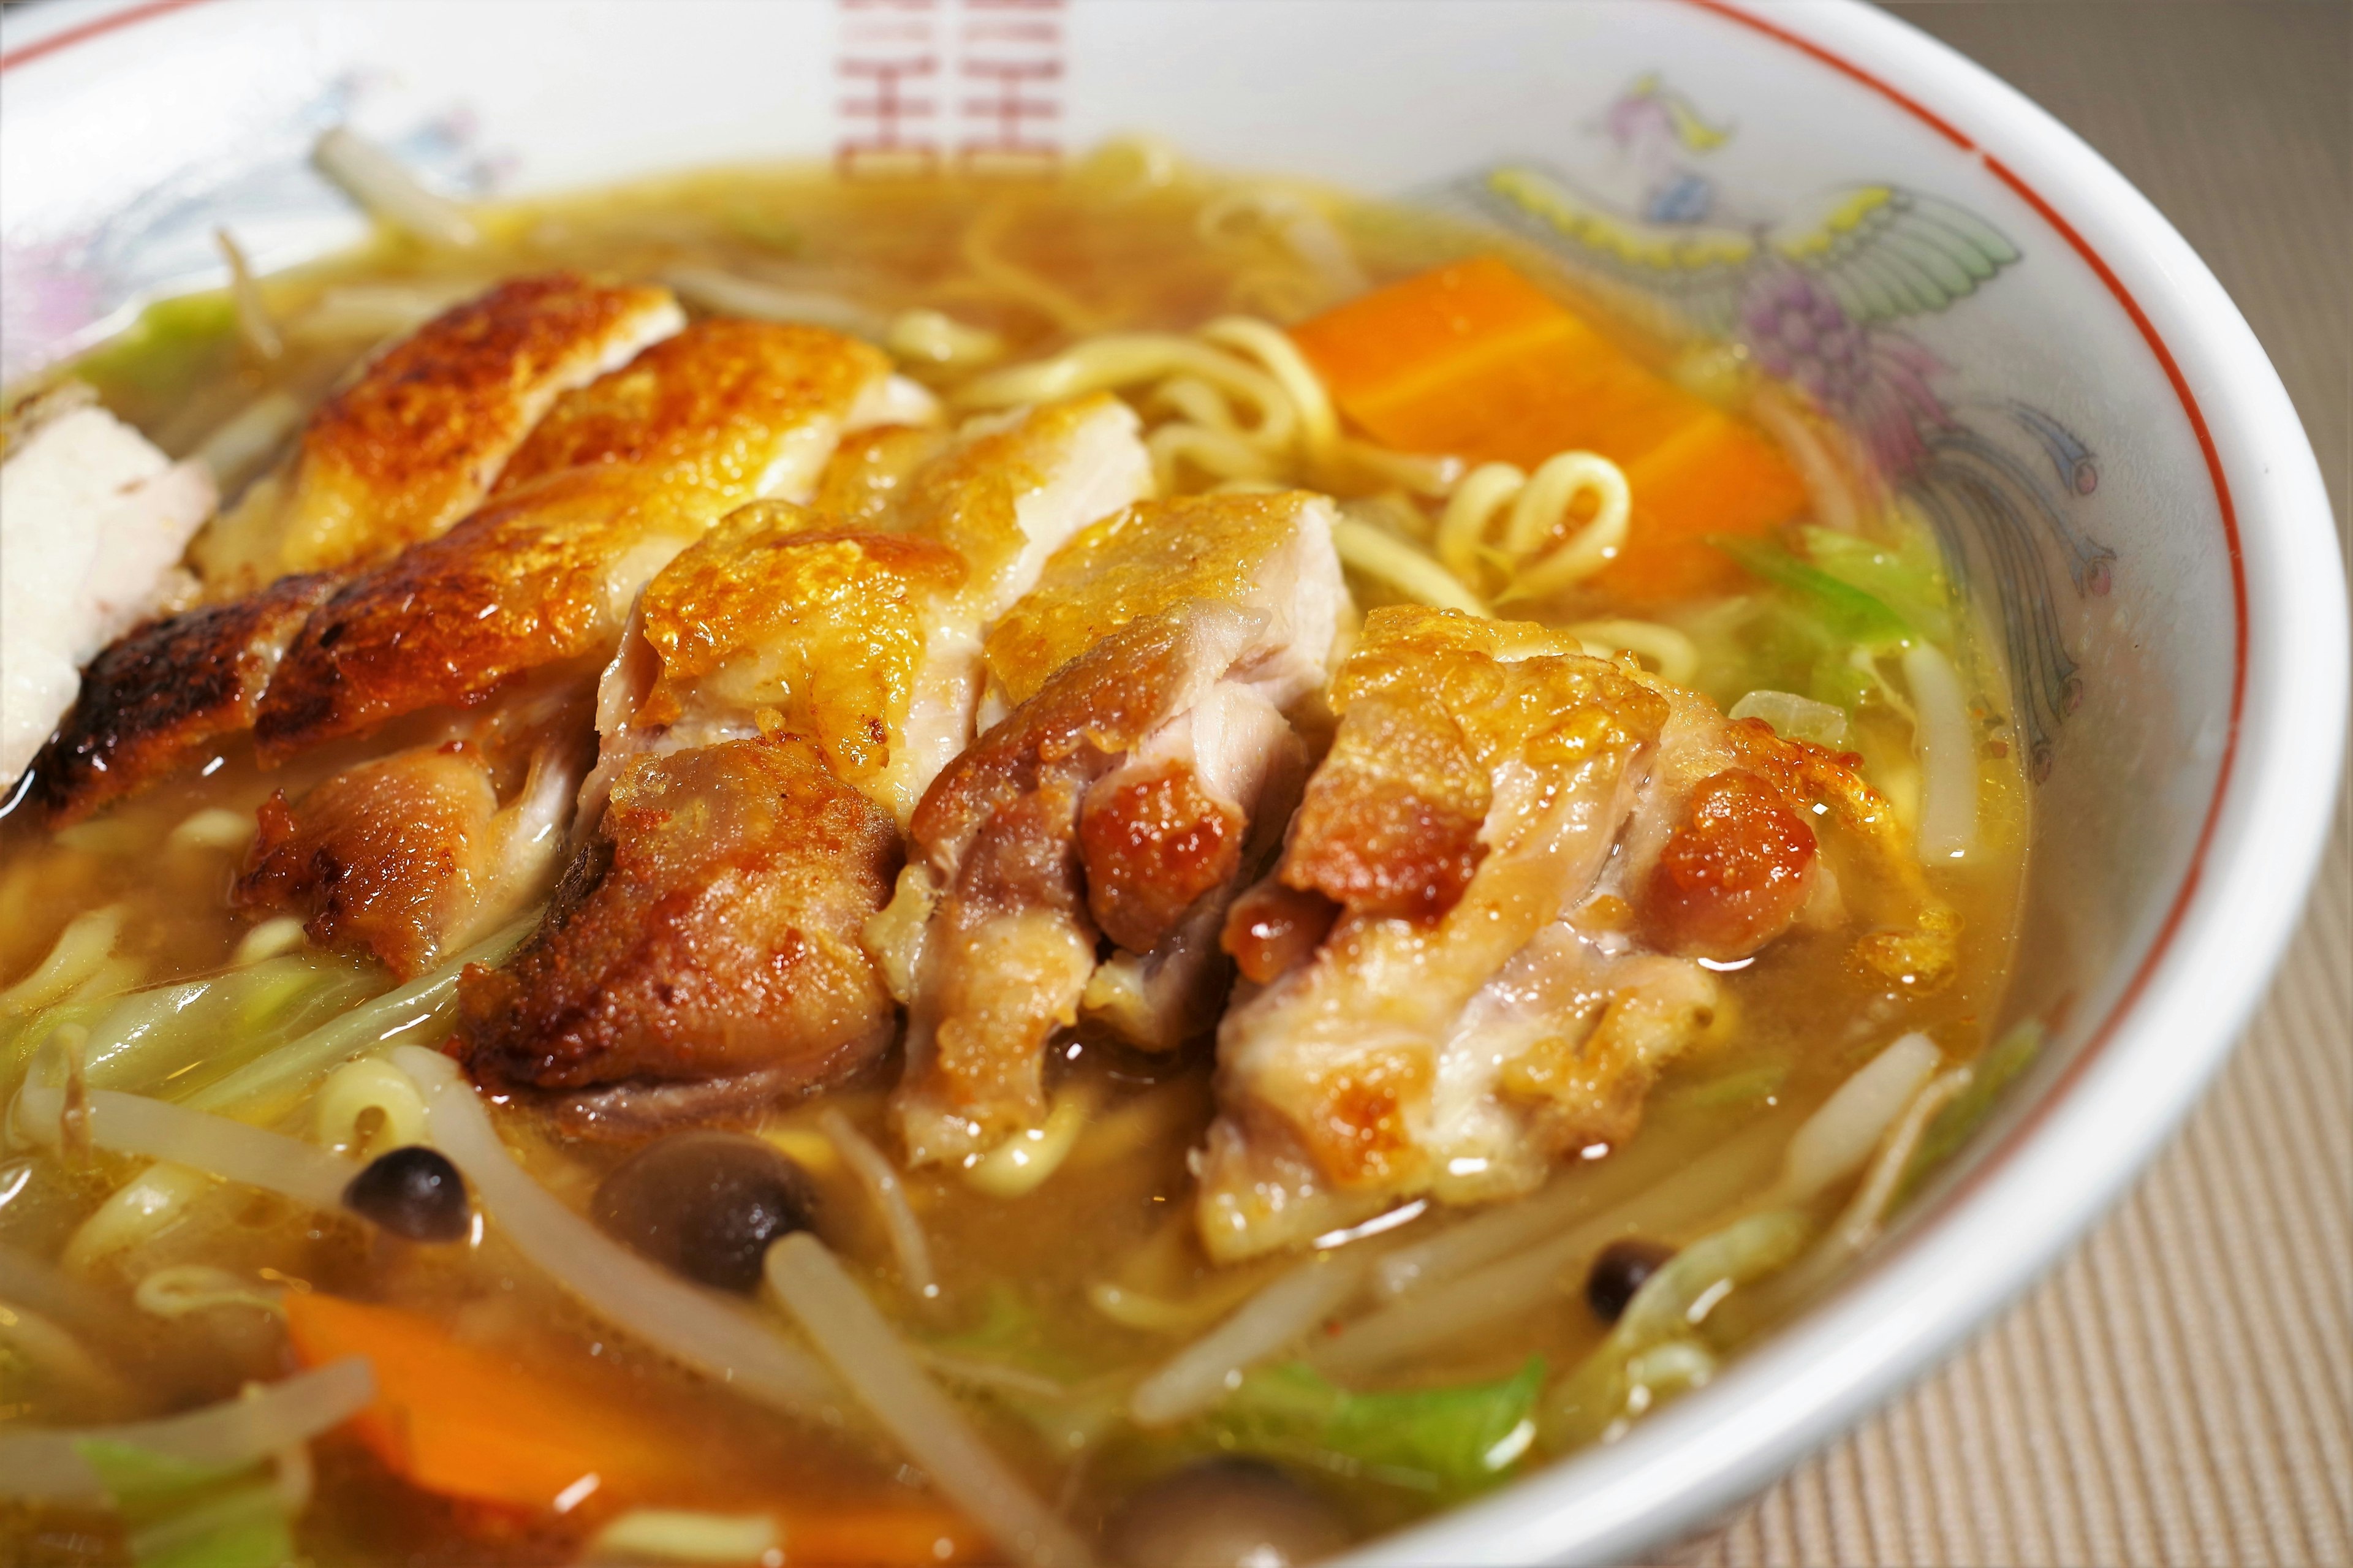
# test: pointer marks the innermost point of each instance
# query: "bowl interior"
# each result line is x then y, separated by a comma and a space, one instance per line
1726, 178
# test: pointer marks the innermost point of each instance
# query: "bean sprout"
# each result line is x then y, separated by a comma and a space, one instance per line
279, 934
253, 323
715, 1336
380, 183
237, 447
48, 1464
214, 828
887, 1378
28, 1336
1948, 759
1265, 1326
134, 1212
880, 1179
1794, 717
133, 1124
80, 949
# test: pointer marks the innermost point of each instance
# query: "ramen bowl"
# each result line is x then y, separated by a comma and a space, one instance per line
2032, 356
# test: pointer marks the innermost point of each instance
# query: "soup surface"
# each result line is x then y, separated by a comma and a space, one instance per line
1142, 1250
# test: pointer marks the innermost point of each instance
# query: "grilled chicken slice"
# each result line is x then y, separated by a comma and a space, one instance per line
509, 615
866, 639
161, 698
777, 619
861, 649
1486, 932
861, 484
1198, 810
1117, 799
415, 443
543, 576
708, 937
731, 407
1006, 495
92, 519
411, 857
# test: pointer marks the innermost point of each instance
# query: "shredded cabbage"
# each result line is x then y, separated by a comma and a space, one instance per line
1448, 1441
1902, 571
184, 1514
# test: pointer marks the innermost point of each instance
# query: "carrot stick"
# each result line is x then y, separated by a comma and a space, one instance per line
466, 1422
1473, 360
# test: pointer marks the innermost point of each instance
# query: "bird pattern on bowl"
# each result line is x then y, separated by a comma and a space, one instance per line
1815, 299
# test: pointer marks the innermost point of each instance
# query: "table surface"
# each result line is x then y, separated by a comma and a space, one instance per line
2180, 1390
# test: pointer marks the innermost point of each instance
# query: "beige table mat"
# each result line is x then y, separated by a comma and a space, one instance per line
2181, 1391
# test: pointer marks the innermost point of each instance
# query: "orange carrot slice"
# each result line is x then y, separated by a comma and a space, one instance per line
1473, 359
466, 1422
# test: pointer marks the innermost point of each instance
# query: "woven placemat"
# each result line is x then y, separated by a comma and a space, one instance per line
2181, 1391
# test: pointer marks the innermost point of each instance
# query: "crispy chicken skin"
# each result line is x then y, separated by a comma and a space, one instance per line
1009, 491
775, 619
1122, 799
862, 481
724, 408
153, 701
862, 645
1238, 548
1485, 936
1006, 951
1740, 835
709, 931
1012, 488
544, 577
546, 573
417, 440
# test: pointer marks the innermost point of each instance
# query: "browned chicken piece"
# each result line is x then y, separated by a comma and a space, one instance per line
1272, 552
724, 408
1009, 491
1120, 799
412, 857
1740, 836
1226, 774
510, 616
159, 699
1487, 931
866, 639
543, 577
415, 443
860, 486
860, 645
704, 954
779, 619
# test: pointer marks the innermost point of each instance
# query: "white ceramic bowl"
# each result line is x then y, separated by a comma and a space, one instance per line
2086, 408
